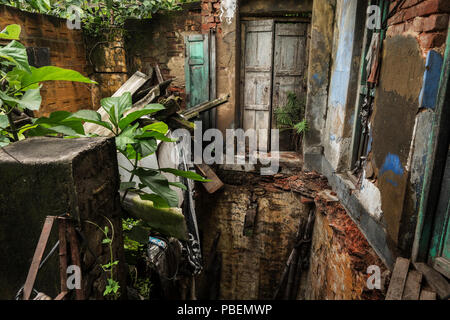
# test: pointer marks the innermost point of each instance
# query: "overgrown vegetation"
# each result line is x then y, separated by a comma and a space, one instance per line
98, 16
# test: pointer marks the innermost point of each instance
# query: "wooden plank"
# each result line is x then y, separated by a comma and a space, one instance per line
398, 279
159, 74
412, 286
195, 111
133, 84
38, 253
442, 265
61, 296
436, 281
427, 295
215, 183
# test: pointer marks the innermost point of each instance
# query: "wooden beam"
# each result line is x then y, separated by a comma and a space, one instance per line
215, 183
38, 253
427, 295
195, 111
398, 279
436, 281
412, 286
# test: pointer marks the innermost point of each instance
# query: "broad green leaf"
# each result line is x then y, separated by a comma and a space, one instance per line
158, 184
133, 116
185, 174
61, 122
4, 123
92, 117
126, 137
11, 32
16, 53
178, 185
158, 202
116, 106
54, 118
4, 141
160, 127
147, 147
50, 73
156, 135
31, 100
64, 129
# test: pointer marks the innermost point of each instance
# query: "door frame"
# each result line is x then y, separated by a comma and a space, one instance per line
240, 73
435, 166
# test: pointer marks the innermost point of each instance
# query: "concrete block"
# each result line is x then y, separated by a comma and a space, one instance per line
53, 176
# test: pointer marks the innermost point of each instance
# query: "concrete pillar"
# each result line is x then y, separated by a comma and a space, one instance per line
318, 78
51, 176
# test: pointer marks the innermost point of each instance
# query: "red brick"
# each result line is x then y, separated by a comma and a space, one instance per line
431, 40
418, 24
426, 8
410, 3
435, 22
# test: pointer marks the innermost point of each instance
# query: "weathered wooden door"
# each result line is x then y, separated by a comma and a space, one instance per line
257, 65
273, 64
289, 69
197, 69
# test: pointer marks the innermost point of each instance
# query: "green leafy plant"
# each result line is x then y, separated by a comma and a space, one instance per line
112, 286
20, 84
133, 142
291, 117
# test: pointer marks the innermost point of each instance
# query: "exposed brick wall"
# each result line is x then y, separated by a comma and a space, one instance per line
67, 50
211, 16
425, 19
340, 255
161, 41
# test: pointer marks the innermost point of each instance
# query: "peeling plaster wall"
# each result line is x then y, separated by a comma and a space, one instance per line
323, 14
337, 137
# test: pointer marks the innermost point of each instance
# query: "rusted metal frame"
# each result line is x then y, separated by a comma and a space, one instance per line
39, 252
